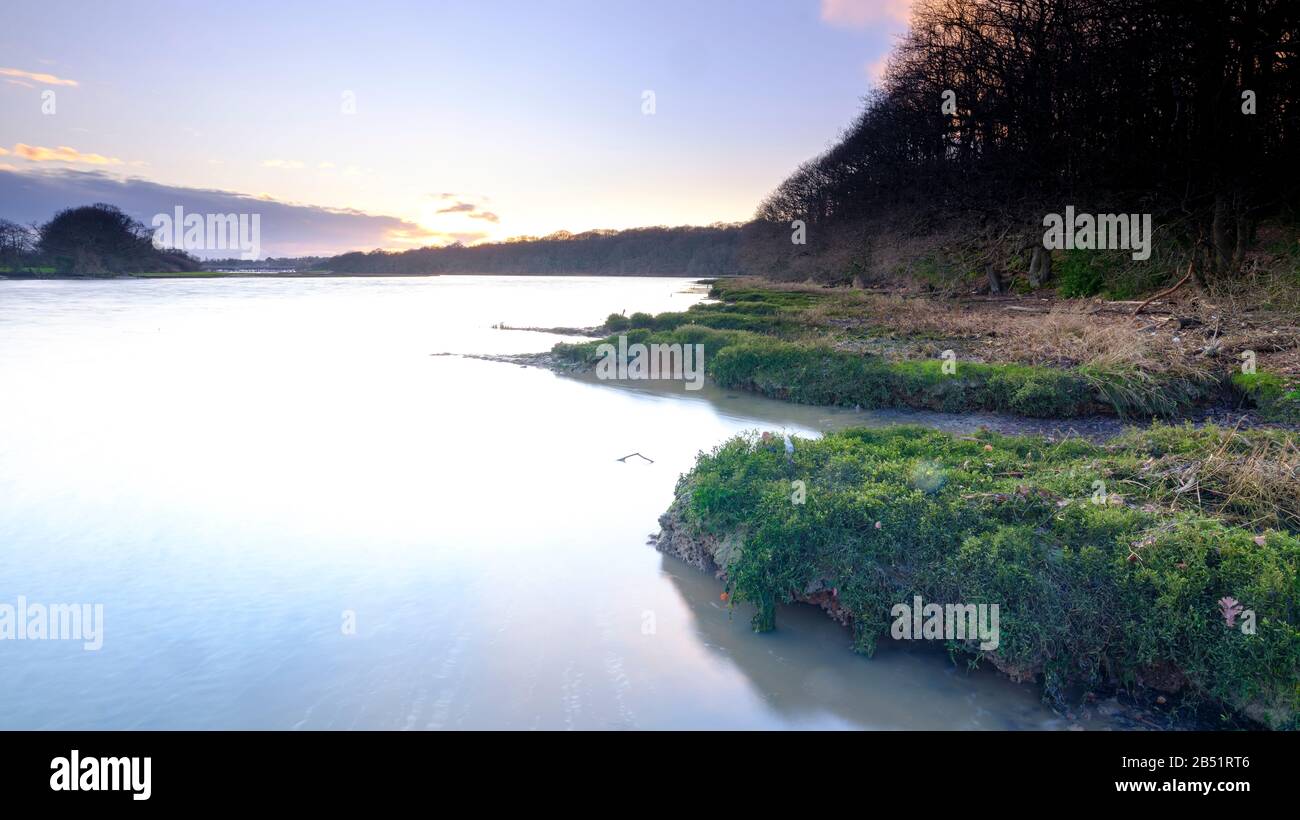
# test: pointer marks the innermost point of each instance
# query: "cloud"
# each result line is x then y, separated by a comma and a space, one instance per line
3, 152
288, 229
460, 206
863, 13
281, 163
20, 82
36, 76
64, 153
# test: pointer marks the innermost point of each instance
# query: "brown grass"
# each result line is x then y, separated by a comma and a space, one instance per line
1251, 481
1190, 339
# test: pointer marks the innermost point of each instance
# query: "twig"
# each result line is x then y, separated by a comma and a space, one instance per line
638, 455
1162, 293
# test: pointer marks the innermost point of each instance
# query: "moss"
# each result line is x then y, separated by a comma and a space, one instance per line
1276, 399
1092, 594
809, 373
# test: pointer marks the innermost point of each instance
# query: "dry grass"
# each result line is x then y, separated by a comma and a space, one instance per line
1061, 335
1160, 362
1251, 481
1207, 336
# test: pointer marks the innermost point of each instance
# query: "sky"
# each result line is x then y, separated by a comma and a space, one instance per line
400, 124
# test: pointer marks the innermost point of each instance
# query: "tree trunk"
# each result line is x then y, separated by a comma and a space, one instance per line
1219, 235
995, 281
1040, 267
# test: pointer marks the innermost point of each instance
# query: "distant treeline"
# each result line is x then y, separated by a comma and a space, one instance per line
270, 263
992, 113
659, 251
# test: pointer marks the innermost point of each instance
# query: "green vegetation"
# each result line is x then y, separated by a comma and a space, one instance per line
805, 346
1111, 274
1081, 274
1276, 399
1107, 562
814, 374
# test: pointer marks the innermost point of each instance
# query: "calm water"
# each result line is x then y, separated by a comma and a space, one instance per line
234, 468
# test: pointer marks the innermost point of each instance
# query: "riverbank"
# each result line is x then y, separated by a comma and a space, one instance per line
1111, 564
1032, 356
1122, 566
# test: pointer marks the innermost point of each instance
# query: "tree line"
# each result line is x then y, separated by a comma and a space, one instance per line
654, 251
993, 113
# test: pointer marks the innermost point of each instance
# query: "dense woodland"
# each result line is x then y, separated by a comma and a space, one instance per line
1189, 111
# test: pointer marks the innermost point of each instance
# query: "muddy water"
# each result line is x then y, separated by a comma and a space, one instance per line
294, 516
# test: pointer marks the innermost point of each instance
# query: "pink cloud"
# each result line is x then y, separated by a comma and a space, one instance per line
64, 153
862, 13
36, 76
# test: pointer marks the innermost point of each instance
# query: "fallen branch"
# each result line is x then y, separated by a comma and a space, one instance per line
638, 455
1164, 293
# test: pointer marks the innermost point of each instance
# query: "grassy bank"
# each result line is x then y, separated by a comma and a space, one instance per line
1108, 562
849, 347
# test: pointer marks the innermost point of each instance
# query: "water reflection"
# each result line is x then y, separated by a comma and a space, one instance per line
807, 669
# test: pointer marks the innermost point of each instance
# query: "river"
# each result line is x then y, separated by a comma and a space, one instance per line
296, 516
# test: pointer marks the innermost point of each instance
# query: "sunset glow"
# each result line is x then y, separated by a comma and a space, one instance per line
498, 106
